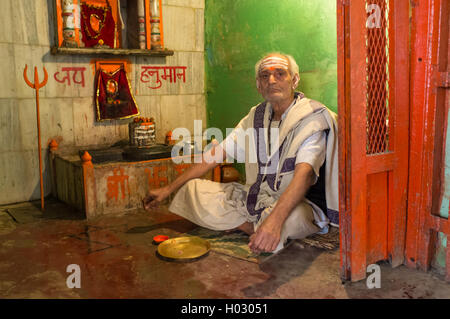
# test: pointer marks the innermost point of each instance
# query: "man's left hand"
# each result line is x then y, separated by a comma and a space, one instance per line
267, 236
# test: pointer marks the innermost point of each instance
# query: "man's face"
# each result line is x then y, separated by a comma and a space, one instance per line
275, 82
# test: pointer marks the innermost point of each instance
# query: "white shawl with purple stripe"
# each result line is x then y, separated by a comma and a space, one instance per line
305, 118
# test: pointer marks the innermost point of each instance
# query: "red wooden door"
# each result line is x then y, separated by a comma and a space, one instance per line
430, 82
373, 109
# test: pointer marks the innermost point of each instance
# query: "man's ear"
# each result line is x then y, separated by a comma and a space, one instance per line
258, 86
295, 81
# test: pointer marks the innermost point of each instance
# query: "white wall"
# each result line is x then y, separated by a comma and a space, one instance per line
67, 112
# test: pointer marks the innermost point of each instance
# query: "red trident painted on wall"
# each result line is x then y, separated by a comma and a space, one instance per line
36, 85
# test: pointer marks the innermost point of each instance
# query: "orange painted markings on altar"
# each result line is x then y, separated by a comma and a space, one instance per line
155, 180
66, 78
114, 182
169, 73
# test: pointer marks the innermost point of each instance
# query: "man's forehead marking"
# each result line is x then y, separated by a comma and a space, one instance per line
273, 62
272, 57
272, 67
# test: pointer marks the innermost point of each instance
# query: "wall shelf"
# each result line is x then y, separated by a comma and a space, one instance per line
113, 52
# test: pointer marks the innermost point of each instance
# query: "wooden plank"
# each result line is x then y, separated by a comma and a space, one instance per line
399, 131
344, 138
445, 66
438, 224
358, 104
380, 163
429, 43
377, 217
106, 51
431, 35
417, 198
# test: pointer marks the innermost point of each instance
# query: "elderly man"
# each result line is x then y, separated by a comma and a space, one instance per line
292, 186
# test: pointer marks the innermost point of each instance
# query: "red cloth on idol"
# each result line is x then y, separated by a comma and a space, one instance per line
114, 99
106, 27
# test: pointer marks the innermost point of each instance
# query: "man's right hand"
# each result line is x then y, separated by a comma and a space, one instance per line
155, 197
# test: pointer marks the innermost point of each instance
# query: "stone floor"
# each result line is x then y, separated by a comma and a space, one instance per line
117, 260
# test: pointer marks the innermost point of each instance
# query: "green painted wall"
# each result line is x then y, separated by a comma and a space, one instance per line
239, 32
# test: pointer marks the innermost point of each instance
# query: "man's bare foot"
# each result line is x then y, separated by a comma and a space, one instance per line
245, 227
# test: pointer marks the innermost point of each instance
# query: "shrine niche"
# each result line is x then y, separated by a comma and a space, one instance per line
113, 94
109, 27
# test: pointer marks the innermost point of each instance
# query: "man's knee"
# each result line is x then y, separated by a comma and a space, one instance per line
191, 184
302, 212
300, 222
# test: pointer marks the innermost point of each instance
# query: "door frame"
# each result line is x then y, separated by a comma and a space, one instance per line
429, 112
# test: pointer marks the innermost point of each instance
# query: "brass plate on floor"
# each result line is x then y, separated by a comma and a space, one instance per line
183, 248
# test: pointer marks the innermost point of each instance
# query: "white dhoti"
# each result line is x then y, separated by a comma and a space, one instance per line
221, 206
216, 206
